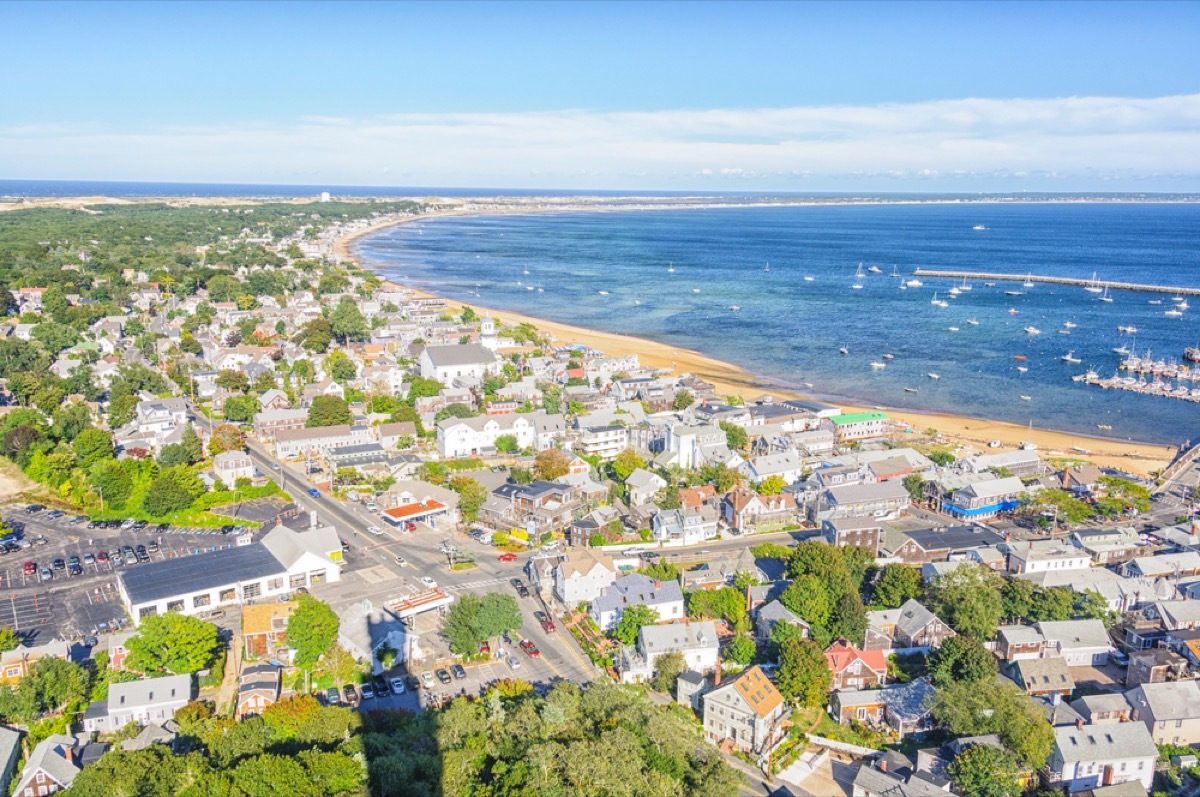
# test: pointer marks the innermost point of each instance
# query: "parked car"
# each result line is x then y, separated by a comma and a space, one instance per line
30, 568
59, 564
427, 679
142, 555
47, 574
350, 693
345, 545
72, 560
397, 685
116, 558
141, 524
507, 557
161, 527
381, 686
102, 556
523, 591
89, 559
74, 570
129, 554
75, 521
367, 691
412, 682
55, 514
459, 672
33, 509
443, 676
485, 648
152, 547
332, 696
128, 523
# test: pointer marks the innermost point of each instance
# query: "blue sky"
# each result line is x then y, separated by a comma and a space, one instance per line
731, 96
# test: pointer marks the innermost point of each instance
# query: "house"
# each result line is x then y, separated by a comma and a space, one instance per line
1170, 565
879, 500
15, 663
697, 642
469, 362
464, 437
893, 775
685, 526
10, 751
747, 712
270, 422
258, 688
642, 485
1155, 665
50, 768
863, 532
905, 708
746, 510
150, 700
229, 466
910, 627
985, 499
853, 668
939, 544
582, 576
1088, 756
605, 441
785, 465
1176, 615
1042, 676
861, 425
1105, 546
274, 399
664, 597
1083, 480
1038, 556
150, 735
1083, 643
1017, 642
773, 613
264, 630
1103, 709
1022, 462
318, 441
1170, 711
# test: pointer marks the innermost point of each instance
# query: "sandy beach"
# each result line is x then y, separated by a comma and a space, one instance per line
955, 430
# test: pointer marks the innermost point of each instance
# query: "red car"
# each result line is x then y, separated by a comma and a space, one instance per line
485, 648
530, 648
30, 569
508, 557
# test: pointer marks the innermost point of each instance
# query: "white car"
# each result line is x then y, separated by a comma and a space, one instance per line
427, 581
371, 506
514, 662
397, 685
400, 560
374, 530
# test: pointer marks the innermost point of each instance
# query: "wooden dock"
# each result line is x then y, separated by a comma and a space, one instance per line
982, 276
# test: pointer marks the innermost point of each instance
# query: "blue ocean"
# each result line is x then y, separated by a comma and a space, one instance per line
673, 275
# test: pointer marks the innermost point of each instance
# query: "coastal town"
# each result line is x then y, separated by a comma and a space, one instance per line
260, 481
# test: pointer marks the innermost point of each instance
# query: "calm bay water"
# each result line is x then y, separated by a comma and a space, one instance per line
789, 329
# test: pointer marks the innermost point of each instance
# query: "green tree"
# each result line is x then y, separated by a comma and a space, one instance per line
507, 444
683, 400
969, 599
166, 496
8, 638
741, 649
551, 464
632, 620
897, 584
54, 336
311, 630
807, 598
781, 633
941, 458
339, 366
1016, 598
772, 485
328, 411
315, 336
848, 618
803, 675
226, 437
735, 436
961, 658
172, 643
112, 483
471, 496
348, 322
474, 619
667, 669
231, 380
1052, 603
421, 387
191, 441
626, 463
174, 454
1091, 605
985, 771
914, 483
240, 408
992, 706
668, 498
92, 446
827, 563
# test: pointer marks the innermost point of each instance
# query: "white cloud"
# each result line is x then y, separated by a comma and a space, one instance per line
1071, 143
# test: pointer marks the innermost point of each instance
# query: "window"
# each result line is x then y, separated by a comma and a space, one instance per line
41, 777
175, 606
201, 600
317, 576
252, 590
227, 596
147, 611
297, 581
275, 584
12, 672
1178, 723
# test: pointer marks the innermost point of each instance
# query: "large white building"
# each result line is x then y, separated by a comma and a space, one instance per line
284, 561
469, 361
1089, 756
697, 642
465, 437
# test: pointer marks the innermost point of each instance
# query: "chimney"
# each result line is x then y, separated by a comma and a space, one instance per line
717, 674
1079, 725
749, 600
657, 584
883, 765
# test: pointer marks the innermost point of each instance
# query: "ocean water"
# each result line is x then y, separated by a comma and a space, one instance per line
789, 329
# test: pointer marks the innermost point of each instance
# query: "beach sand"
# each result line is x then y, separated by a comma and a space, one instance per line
954, 430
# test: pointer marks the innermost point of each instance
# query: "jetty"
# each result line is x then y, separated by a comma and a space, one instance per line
1081, 283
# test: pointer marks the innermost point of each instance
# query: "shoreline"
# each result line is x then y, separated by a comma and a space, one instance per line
729, 379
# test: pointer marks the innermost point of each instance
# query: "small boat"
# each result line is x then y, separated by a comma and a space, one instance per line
964, 286
603, 293
768, 268
1070, 357
1020, 357
735, 307
915, 283
1064, 332
979, 227
843, 351
1069, 324
894, 273
808, 279
1177, 298
637, 302
671, 268
1026, 398
528, 287
1128, 329
695, 290
952, 329
1093, 285
889, 356
1106, 297
910, 390
1122, 350
543, 290
953, 291
875, 269
1173, 313
878, 366
1022, 369
1104, 427
989, 285
858, 278
1028, 283
857, 286
1014, 293
525, 272
1181, 305
1192, 354
1154, 301
1013, 311
972, 322
933, 376
936, 302
1033, 330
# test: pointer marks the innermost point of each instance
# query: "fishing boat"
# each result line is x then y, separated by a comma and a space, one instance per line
603, 293
637, 302
528, 287
525, 272
1026, 398
878, 366
1093, 285
953, 291
972, 322
1104, 427
1177, 298
735, 308
989, 285
933, 376
1014, 293
1013, 311
1070, 357
1020, 357
1121, 350
1128, 329
952, 329
808, 279
1033, 330
1105, 297
1192, 354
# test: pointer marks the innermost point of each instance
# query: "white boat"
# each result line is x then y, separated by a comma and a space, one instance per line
910, 390
528, 287
735, 308
1028, 283
1026, 398
637, 302
695, 290
1069, 324
541, 290
1105, 297
972, 322
964, 286
889, 356
603, 293
1173, 313
768, 268
525, 272
1093, 286
1070, 357
843, 351
1104, 427
857, 286
878, 366
1154, 301
894, 273
875, 269
1064, 332
1033, 330
671, 268
1022, 369
808, 279
979, 227
858, 278
1181, 305
1014, 293
1121, 350
1013, 311
1132, 330
936, 302
953, 291
952, 329
933, 376
989, 285
915, 283
1177, 298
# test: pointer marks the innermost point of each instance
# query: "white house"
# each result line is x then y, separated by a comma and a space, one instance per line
1037, 556
151, 700
1083, 643
748, 711
469, 361
696, 641
1170, 710
582, 576
464, 437
689, 441
642, 486
229, 466
1089, 756
787, 465
685, 526
664, 597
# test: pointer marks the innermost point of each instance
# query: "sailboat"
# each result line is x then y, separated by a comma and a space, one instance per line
1093, 286
1028, 283
858, 278
768, 268
1106, 297
875, 269
933, 376
894, 273
936, 302
670, 268
964, 286
843, 351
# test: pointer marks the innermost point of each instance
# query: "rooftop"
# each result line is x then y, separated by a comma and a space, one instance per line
203, 572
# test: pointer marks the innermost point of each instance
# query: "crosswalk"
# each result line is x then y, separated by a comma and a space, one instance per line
488, 582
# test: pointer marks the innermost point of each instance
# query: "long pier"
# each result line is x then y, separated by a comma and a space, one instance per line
1111, 285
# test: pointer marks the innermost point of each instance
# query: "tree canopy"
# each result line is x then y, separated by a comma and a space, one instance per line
173, 643
311, 630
